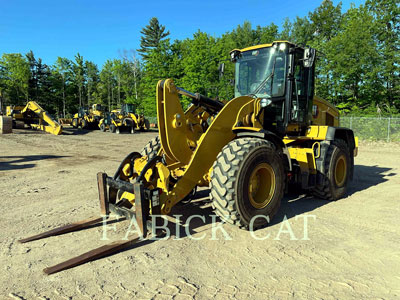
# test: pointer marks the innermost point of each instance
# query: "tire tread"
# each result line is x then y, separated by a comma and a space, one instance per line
223, 178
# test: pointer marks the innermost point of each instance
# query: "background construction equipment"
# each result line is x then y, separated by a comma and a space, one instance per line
34, 116
125, 119
88, 118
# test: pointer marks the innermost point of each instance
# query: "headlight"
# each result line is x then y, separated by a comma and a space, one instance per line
265, 102
282, 46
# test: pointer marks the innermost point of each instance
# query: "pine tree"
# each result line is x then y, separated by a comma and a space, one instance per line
156, 67
92, 74
32, 83
152, 35
78, 69
61, 70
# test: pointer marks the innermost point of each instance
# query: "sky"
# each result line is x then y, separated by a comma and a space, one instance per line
101, 30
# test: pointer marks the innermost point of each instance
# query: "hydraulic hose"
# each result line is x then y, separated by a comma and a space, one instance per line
212, 106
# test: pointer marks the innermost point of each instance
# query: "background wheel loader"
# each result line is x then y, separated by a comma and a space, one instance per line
88, 118
124, 119
273, 135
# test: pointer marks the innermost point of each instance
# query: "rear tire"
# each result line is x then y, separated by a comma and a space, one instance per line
84, 124
103, 127
133, 127
146, 125
337, 166
247, 180
152, 148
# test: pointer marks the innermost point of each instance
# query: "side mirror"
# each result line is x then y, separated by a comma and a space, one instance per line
309, 57
235, 54
221, 70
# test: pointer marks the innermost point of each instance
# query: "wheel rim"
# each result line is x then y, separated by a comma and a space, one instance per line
340, 171
261, 186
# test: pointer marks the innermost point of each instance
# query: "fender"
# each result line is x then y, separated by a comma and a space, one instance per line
344, 134
266, 135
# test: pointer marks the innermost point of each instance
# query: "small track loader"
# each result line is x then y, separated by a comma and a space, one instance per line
274, 135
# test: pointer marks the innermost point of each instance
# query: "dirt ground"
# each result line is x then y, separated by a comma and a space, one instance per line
352, 250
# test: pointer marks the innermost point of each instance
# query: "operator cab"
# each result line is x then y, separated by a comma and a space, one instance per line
97, 107
281, 74
127, 108
83, 111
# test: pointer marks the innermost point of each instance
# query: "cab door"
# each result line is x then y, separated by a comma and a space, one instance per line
301, 92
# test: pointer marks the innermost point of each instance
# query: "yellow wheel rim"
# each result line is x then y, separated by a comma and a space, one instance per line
340, 171
261, 186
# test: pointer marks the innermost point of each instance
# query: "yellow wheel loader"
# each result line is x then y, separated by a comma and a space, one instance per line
88, 118
35, 117
273, 135
124, 119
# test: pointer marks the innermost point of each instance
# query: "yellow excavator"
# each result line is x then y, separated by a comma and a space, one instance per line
34, 116
125, 119
273, 135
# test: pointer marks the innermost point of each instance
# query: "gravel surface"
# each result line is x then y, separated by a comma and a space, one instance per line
350, 249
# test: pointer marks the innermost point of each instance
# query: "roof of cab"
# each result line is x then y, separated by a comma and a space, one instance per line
261, 46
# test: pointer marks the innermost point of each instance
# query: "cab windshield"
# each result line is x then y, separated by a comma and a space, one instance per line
261, 72
128, 108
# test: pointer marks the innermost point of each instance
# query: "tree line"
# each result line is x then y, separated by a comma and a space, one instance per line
358, 63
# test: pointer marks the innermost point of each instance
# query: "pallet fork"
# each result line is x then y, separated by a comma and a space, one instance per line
108, 188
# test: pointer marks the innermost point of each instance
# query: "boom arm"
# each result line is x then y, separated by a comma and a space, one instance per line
179, 130
46, 122
187, 144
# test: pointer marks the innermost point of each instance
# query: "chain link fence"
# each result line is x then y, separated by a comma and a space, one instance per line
373, 129
152, 120
366, 128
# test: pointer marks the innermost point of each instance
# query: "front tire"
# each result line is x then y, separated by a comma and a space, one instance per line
113, 128
102, 127
247, 181
75, 123
152, 148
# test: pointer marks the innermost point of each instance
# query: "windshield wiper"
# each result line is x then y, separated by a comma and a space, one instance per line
262, 84
266, 80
